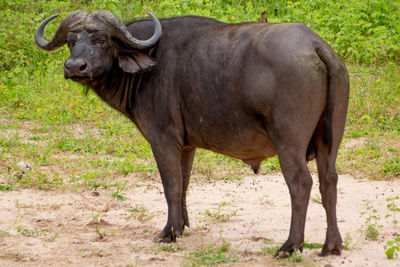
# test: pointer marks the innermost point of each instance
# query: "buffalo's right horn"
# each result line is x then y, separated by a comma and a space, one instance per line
74, 21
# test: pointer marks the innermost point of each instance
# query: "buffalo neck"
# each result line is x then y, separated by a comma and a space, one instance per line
118, 89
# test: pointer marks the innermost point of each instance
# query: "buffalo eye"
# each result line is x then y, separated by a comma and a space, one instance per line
71, 44
71, 40
99, 40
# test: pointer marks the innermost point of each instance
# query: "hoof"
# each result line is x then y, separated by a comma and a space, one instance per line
286, 250
282, 254
332, 248
165, 239
334, 251
168, 237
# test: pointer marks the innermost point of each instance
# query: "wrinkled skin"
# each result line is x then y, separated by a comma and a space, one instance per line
250, 91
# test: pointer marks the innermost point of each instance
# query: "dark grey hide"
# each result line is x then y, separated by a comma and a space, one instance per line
249, 91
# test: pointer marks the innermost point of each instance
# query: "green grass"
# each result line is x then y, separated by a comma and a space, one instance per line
141, 213
170, 248
218, 215
6, 187
373, 119
118, 193
295, 258
210, 255
75, 140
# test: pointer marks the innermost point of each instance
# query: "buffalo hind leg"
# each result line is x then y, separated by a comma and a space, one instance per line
299, 181
328, 187
169, 164
186, 165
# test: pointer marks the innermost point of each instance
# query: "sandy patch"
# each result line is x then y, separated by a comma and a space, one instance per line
83, 228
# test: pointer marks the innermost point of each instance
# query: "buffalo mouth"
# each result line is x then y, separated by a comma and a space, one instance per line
87, 79
79, 79
76, 76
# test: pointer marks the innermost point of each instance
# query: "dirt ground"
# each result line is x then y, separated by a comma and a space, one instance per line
84, 228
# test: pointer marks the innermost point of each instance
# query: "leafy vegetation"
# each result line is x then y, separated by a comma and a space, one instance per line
218, 216
140, 213
210, 255
392, 248
371, 223
394, 209
5, 188
272, 249
118, 195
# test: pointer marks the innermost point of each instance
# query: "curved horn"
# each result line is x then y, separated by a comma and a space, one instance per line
74, 21
117, 29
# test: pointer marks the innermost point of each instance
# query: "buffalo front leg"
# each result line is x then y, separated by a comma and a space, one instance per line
169, 164
186, 165
299, 181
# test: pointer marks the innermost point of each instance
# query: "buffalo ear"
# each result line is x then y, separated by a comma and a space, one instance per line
135, 62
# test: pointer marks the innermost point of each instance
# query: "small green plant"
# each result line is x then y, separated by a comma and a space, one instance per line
138, 209
371, 223
6, 187
218, 215
347, 241
394, 208
31, 233
317, 198
295, 257
101, 234
169, 247
313, 245
140, 213
371, 232
392, 248
232, 177
118, 195
272, 249
95, 217
210, 255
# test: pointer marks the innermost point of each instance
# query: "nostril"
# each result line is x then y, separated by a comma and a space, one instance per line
83, 66
66, 65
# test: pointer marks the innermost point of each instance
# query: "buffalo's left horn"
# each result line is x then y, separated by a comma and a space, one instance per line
116, 28
74, 21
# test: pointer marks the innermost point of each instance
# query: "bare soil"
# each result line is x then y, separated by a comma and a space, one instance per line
91, 228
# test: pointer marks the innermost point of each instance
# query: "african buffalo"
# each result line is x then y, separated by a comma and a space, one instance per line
247, 90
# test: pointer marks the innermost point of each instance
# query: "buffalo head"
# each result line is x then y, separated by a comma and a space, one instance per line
96, 41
